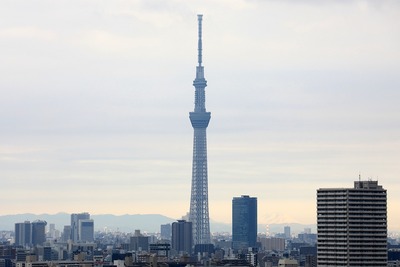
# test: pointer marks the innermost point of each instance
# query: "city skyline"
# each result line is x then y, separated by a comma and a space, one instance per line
95, 98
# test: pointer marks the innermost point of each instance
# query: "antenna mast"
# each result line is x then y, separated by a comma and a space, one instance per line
199, 45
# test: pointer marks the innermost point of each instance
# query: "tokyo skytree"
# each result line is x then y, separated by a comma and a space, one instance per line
200, 118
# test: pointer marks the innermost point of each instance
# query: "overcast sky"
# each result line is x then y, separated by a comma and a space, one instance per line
95, 97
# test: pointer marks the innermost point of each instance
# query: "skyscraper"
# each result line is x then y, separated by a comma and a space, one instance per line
86, 231
244, 222
286, 232
28, 233
165, 231
199, 215
38, 231
75, 217
23, 236
352, 225
182, 238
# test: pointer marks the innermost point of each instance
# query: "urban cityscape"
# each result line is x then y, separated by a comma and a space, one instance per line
356, 222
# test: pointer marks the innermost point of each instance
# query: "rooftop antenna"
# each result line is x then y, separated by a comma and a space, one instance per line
359, 176
199, 45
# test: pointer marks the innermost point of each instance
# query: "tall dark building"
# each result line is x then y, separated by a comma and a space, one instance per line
244, 222
38, 230
182, 237
27, 233
352, 225
23, 235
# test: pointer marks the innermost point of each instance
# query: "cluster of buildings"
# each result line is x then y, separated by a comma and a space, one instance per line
351, 231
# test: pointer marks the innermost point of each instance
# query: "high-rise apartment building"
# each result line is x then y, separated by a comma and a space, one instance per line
75, 217
200, 118
352, 225
182, 237
244, 222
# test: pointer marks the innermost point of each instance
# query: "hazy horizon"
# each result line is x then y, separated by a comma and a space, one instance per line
96, 97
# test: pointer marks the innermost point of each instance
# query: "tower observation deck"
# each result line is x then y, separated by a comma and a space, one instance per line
199, 215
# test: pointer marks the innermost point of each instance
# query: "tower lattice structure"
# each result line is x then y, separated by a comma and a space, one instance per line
200, 118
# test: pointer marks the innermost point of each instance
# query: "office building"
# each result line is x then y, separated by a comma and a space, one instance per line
244, 222
66, 235
30, 234
182, 237
165, 232
23, 234
86, 231
52, 231
272, 244
38, 232
200, 118
139, 242
286, 232
352, 225
75, 217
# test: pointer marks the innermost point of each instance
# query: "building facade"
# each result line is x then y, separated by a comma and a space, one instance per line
352, 225
182, 237
38, 231
244, 222
30, 233
75, 217
165, 231
23, 235
139, 242
272, 244
86, 230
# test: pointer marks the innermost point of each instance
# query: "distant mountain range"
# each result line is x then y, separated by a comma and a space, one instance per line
130, 222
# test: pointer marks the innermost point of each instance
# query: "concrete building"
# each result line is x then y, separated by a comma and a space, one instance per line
182, 237
352, 225
244, 222
272, 244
